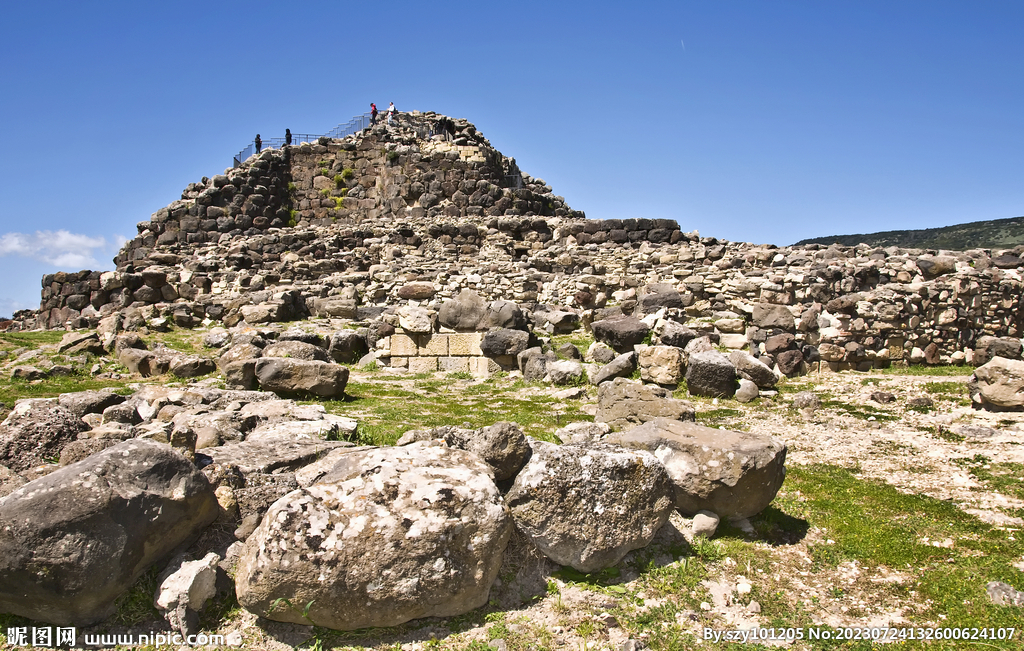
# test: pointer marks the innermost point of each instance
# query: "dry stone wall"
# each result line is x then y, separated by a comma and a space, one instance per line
421, 210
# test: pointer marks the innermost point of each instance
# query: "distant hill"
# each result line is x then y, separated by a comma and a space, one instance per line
992, 234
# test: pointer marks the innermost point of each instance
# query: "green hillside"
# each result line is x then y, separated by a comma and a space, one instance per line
992, 234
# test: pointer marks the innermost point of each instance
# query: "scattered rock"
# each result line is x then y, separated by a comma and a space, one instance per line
424, 537
1000, 383
97, 525
710, 374
291, 376
733, 474
621, 334
35, 432
589, 525
184, 588
623, 403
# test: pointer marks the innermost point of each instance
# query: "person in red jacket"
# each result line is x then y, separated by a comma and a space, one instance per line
373, 113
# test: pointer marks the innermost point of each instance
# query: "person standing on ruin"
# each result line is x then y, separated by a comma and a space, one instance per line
373, 113
258, 143
287, 137
391, 112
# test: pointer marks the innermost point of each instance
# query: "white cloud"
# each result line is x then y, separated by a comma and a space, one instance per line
69, 251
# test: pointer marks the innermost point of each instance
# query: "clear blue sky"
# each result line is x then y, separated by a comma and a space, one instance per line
762, 121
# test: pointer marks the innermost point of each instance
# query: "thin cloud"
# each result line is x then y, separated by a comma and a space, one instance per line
61, 248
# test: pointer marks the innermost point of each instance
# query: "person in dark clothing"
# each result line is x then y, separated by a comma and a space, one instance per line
287, 136
373, 113
259, 143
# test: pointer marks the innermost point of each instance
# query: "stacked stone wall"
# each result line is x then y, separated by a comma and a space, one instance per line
395, 205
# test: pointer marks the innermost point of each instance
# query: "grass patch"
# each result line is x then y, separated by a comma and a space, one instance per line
386, 409
12, 390
926, 370
579, 338
863, 412
30, 339
717, 416
877, 525
136, 606
1003, 477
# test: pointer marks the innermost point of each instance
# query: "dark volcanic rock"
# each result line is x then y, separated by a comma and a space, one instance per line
96, 526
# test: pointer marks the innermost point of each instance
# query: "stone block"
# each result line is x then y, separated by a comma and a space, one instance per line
436, 345
453, 364
403, 346
422, 364
465, 343
399, 362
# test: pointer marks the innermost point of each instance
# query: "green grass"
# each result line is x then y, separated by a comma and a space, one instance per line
948, 390
136, 605
717, 416
582, 340
12, 390
862, 411
386, 408
877, 525
926, 370
30, 339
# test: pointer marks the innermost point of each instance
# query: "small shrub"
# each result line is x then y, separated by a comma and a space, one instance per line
347, 173
292, 218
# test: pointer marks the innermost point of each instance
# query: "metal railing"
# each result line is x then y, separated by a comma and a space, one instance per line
356, 124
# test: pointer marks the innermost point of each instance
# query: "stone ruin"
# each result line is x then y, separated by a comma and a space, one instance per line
420, 248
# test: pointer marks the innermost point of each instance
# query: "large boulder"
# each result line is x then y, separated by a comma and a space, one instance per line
660, 295
35, 431
989, 347
936, 265
621, 366
587, 506
1000, 383
502, 445
292, 376
72, 541
464, 312
556, 321
564, 371
347, 347
503, 314
621, 334
415, 319
504, 341
297, 350
623, 403
751, 368
673, 333
189, 366
710, 374
417, 290
733, 474
660, 364
387, 535
769, 317
81, 403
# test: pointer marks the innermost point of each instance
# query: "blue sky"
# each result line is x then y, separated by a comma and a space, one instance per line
761, 121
